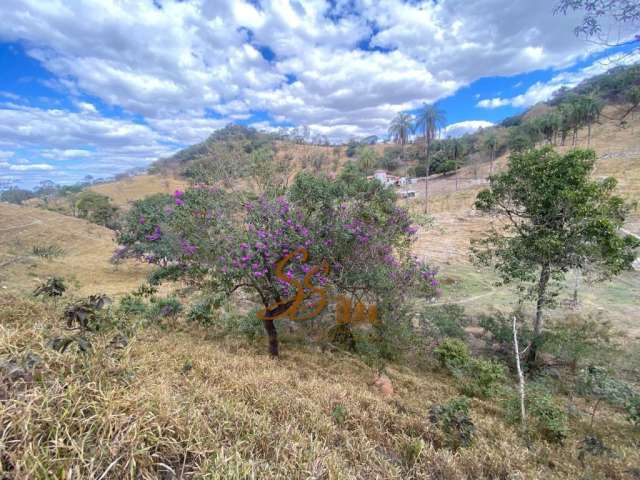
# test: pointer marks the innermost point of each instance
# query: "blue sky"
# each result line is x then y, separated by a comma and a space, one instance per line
96, 87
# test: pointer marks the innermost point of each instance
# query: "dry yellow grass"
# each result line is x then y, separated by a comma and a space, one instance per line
174, 404
85, 261
123, 192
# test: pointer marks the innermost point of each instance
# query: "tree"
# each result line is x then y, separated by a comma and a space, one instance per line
96, 208
400, 129
429, 120
16, 195
591, 108
558, 218
367, 159
223, 242
623, 14
491, 144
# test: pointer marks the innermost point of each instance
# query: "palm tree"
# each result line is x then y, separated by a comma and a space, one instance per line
429, 121
591, 109
400, 129
491, 143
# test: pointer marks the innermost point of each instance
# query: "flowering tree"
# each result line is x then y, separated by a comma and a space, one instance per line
226, 243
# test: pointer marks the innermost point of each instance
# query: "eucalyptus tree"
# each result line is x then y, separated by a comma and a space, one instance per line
429, 120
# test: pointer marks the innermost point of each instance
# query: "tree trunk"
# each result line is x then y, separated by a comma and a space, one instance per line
426, 180
272, 333
589, 134
538, 324
523, 414
493, 154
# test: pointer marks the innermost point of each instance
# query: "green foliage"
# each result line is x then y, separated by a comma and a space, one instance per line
544, 416
16, 195
500, 326
597, 383
339, 414
203, 311
160, 308
453, 353
247, 325
51, 287
454, 421
132, 305
96, 208
48, 251
558, 218
446, 321
633, 410
482, 378
576, 340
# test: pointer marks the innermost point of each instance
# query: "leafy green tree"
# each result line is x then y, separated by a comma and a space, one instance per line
367, 159
96, 208
429, 121
558, 218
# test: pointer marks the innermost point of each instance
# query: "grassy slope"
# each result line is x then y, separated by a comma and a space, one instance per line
85, 262
446, 243
234, 413
123, 192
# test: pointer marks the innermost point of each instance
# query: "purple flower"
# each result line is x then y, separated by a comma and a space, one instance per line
179, 202
157, 233
187, 247
178, 194
141, 220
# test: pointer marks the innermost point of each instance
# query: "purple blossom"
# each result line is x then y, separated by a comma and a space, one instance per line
141, 220
187, 247
157, 233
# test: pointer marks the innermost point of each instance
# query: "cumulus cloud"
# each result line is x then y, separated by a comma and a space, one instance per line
30, 166
541, 91
462, 128
344, 68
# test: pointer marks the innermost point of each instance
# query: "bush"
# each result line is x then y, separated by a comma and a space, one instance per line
544, 416
446, 321
453, 420
453, 353
202, 312
633, 410
164, 308
500, 327
132, 305
52, 287
47, 251
483, 378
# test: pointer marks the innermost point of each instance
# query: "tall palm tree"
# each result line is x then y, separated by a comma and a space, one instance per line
429, 120
491, 143
591, 108
400, 129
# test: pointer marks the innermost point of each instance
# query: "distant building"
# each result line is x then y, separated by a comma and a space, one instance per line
388, 180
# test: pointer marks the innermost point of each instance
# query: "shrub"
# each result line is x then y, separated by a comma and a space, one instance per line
633, 410
453, 420
47, 251
132, 305
482, 378
446, 321
52, 287
500, 326
453, 353
164, 308
544, 416
599, 385
202, 312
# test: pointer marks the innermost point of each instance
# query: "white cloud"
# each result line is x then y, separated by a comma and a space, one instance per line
31, 166
4, 164
171, 67
461, 128
541, 91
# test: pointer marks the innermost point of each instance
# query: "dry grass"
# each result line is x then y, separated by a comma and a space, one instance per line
138, 413
84, 264
123, 192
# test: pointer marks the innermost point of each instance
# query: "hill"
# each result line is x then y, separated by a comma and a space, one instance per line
185, 404
77, 250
